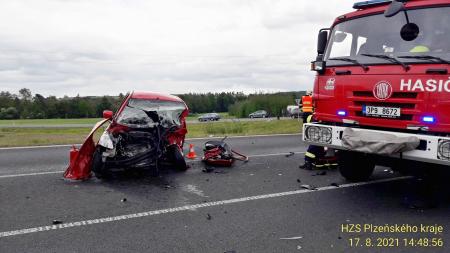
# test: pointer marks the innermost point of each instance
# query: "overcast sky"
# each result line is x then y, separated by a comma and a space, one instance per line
104, 47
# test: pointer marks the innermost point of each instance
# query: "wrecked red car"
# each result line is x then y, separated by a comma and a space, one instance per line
147, 131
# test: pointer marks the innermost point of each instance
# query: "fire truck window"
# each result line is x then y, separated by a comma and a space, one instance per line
341, 47
362, 49
378, 35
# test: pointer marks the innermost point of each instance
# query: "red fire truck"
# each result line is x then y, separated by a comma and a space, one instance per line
382, 89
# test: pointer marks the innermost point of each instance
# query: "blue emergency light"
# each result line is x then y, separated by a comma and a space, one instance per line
342, 113
428, 119
368, 4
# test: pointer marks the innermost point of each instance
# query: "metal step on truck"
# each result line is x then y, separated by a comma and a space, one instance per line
382, 88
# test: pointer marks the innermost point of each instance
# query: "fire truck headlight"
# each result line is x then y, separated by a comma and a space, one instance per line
318, 134
444, 150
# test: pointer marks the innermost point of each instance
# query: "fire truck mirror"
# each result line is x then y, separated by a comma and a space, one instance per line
409, 32
322, 41
394, 8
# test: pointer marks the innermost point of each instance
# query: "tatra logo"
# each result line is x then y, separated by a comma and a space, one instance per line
330, 84
382, 90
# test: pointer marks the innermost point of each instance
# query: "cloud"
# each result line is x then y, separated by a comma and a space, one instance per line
97, 47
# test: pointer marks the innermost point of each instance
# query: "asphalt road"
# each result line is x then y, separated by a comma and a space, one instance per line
259, 206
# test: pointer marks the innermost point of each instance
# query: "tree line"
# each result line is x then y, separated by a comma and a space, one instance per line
25, 105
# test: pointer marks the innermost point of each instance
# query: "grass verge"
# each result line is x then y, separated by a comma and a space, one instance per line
20, 122
13, 137
45, 122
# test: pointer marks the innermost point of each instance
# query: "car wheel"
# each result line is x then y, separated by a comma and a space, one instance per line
355, 166
177, 158
98, 166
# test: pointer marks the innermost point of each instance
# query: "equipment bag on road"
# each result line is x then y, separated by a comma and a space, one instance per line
219, 153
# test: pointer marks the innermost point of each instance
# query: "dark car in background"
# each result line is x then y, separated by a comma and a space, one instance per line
295, 113
209, 117
258, 114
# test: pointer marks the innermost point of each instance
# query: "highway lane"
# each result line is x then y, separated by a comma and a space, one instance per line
55, 158
223, 215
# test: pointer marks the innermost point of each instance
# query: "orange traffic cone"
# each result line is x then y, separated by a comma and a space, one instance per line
191, 154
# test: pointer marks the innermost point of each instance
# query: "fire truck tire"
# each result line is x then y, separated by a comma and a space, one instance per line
355, 166
98, 166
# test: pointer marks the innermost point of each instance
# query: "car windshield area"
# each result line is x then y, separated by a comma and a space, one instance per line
144, 113
377, 40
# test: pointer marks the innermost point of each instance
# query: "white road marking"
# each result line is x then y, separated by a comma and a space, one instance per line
189, 139
31, 174
276, 154
46, 146
195, 160
185, 208
292, 238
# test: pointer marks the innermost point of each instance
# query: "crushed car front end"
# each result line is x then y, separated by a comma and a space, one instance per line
149, 129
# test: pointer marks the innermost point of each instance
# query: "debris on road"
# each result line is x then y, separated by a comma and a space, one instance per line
308, 187
219, 153
320, 173
123, 200
207, 170
208, 217
56, 222
298, 180
290, 154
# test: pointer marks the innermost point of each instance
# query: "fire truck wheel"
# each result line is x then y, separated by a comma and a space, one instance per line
98, 166
355, 166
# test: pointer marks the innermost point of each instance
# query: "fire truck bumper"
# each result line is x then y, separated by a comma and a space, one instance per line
432, 149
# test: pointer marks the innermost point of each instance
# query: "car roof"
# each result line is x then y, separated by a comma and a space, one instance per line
154, 96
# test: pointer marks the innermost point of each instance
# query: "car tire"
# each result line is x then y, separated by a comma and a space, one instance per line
98, 166
177, 158
355, 166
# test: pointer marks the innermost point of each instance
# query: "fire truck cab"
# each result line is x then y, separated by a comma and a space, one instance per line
382, 89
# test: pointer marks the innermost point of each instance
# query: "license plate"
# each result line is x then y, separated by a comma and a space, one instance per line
382, 112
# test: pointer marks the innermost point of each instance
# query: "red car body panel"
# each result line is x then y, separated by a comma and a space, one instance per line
81, 159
